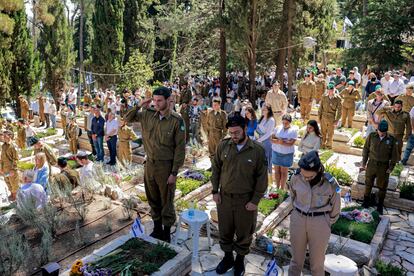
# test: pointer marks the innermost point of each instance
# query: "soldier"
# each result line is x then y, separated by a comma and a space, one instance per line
316, 206
21, 133
40, 147
407, 98
125, 135
329, 114
399, 123
320, 85
24, 107
305, 91
163, 135
216, 126
8, 164
278, 101
87, 99
67, 177
72, 132
349, 95
239, 182
63, 117
185, 99
42, 116
379, 156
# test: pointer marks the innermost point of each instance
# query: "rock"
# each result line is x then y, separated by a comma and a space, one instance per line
410, 250
389, 244
408, 265
202, 244
361, 177
196, 268
216, 250
260, 219
392, 183
117, 194
342, 136
209, 262
405, 255
407, 238
400, 248
251, 269
255, 259
214, 214
356, 251
394, 219
404, 173
387, 253
411, 219
108, 191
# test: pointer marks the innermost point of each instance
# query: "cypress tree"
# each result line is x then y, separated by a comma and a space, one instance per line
108, 46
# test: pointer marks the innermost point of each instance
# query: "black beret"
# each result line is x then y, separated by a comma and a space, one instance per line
398, 102
162, 91
310, 161
33, 141
62, 162
236, 120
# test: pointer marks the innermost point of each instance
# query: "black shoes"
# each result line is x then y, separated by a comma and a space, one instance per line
226, 264
157, 233
166, 235
367, 202
380, 209
239, 265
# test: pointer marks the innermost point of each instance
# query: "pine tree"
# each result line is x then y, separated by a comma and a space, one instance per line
56, 49
137, 71
108, 46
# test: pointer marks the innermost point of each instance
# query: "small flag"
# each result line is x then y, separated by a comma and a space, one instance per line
348, 22
334, 26
272, 268
344, 28
137, 228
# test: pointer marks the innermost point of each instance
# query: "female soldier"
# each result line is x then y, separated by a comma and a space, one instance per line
125, 135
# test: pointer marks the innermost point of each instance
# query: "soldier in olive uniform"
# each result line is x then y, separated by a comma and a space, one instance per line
63, 117
42, 115
316, 206
185, 99
163, 133
399, 123
320, 85
239, 182
350, 95
329, 114
8, 164
87, 99
125, 135
67, 177
407, 98
305, 91
21, 133
40, 147
216, 126
379, 156
72, 132
24, 107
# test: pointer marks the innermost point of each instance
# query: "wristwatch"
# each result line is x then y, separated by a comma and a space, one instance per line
174, 173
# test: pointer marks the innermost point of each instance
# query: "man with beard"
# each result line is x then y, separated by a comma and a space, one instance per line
163, 133
239, 182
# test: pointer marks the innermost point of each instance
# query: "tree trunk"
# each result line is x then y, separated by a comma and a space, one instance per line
174, 50
251, 54
281, 54
290, 22
223, 57
34, 23
364, 7
81, 74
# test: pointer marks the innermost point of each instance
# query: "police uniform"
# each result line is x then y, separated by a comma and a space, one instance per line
24, 107
379, 156
21, 137
320, 85
125, 135
216, 129
316, 207
305, 92
164, 144
348, 105
72, 132
329, 112
185, 98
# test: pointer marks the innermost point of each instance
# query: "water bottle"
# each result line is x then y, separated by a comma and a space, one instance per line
191, 211
269, 248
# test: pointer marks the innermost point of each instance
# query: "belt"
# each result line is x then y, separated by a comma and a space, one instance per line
113, 136
232, 195
311, 214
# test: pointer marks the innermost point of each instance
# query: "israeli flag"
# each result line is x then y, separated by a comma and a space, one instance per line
348, 22
137, 228
334, 26
272, 268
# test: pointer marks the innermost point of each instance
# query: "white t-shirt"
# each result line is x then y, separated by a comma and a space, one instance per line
111, 126
285, 134
86, 173
46, 107
412, 113
29, 131
72, 98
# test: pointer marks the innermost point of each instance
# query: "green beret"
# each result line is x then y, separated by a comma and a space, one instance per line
398, 102
351, 82
162, 91
378, 87
330, 86
33, 141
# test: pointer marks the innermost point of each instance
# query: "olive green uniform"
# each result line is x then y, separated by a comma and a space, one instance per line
374, 95
125, 135
348, 105
305, 92
216, 129
329, 113
42, 110
67, 178
240, 177
408, 102
72, 131
63, 119
381, 155
50, 156
87, 99
9, 158
21, 137
312, 230
319, 89
185, 98
24, 108
164, 144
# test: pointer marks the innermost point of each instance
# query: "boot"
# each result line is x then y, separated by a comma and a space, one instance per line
373, 200
239, 265
157, 233
380, 209
226, 264
366, 202
166, 234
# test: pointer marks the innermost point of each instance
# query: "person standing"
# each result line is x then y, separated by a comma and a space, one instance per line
72, 132
87, 99
98, 132
350, 95
88, 112
63, 117
185, 99
229, 106
316, 206
163, 133
385, 82
396, 87
46, 149
320, 85
72, 100
111, 136
374, 106
8, 164
379, 156
251, 122
339, 80
125, 134
410, 143
329, 114
312, 138
46, 105
194, 114
372, 85
216, 126
24, 107
305, 91
265, 131
21, 133
41, 110
29, 132
239, 179
278, 101
407, 98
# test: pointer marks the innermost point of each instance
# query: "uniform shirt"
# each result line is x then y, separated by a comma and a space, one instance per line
185, 97
126, 134
50, 156
72, 131
381, 150
396, 88
322, 197
306, 90
320, 89
216, 123
408, 102
330, 108
9, 157
285, 134
349, 98
240, 172
310, 142
265, 129
398, 122
277, 100
111, 126
164, 139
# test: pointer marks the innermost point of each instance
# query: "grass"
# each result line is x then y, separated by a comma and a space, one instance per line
407, 190
127, 178
267, 206
26, 153
340, 174
186, 185
24, 166
397, 170
359, 142
363, 232
325, 155
385, 269
73, 164
47, 133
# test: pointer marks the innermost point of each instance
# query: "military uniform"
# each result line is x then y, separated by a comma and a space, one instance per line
379, 156
315, 209
9, 158
63, 119
185, 98
374, 95
164, 144
240, 177
408, 102
399, 125
72, 131
125, 135
329, 113
87, 99
216, 129
67, 178
50, 156
279, 103
348, 105
305, 92
320, 85
24, 108
21, 137
42, 116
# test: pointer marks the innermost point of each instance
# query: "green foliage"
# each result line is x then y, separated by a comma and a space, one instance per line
24, 166
186, 185
363, 232
14, 250
387, 269
137, 71
47, 133
407, 190
340, 174
359, 142
26, 153
73, 164
397, 169
267, 206
298, 123
325, 155
6, 21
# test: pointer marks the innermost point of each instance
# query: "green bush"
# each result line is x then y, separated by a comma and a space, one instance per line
47, 133
363, 232
266, 206
73, 164
340, 174
24, 166
325, 155
186, 185
359, 142
407, 191
298, 123
26, 153
385, 269
397, 170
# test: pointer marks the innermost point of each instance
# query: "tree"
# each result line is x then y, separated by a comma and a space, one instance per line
6, 21
55, 45
108, 46
136, 71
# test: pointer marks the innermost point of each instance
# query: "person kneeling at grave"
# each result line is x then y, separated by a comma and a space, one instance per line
31, 194
67, 178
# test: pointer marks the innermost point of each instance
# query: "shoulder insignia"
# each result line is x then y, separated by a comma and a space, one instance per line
297, 171
329, 177
333, 182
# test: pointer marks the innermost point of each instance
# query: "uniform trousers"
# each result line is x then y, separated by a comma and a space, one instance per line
305, 109
347, 113
377, 170
327, 129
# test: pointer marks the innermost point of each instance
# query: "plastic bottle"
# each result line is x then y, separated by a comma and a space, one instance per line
269, 248
191, 210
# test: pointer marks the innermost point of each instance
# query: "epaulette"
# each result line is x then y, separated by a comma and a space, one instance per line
330, 178
297, 171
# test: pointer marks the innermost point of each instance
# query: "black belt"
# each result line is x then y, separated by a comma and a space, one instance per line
311, 214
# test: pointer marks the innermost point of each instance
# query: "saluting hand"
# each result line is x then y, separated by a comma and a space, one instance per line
145, 102
251, 207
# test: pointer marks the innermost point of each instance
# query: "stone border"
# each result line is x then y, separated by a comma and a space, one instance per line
179, 265
275, 217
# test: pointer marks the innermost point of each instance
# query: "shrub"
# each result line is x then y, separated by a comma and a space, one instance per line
407, 191
267, 205
47, 133
385, 269
359, 142
340, 174
325, 155
26, 153
24, 166
298, 123
397, 170
73, 164
186, 185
